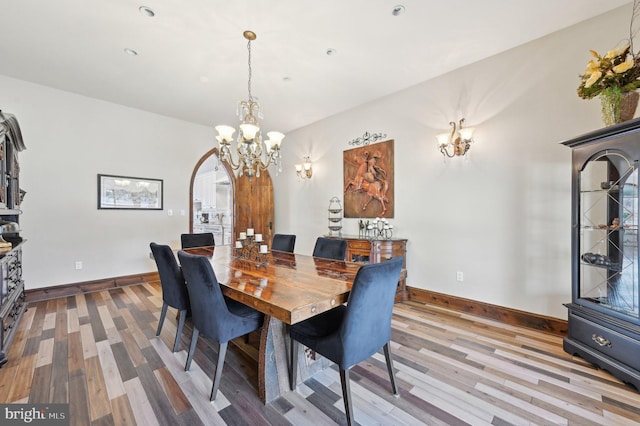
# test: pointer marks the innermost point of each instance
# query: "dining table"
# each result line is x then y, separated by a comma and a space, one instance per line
287, 288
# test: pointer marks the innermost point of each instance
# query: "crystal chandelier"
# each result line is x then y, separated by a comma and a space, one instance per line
249, 141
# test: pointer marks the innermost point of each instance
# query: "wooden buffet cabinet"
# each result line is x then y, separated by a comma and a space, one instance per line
363, 250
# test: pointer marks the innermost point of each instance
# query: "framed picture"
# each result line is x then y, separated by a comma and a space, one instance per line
132, 193
369, 181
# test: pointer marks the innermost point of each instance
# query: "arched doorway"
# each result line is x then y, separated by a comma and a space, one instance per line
212, 198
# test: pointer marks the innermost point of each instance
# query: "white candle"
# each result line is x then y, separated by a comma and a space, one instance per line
250, 232
386, 227
263, 248
243, 235
238, 244
258, 238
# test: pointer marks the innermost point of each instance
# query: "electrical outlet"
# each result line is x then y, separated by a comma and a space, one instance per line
169, 212
459, 276
78, 264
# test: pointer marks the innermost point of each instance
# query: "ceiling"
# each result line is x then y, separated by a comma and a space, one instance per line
192, 57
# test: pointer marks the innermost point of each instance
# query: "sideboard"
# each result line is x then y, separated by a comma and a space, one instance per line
363, 250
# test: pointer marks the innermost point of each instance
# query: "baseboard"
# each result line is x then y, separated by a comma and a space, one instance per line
46, 293
498, 313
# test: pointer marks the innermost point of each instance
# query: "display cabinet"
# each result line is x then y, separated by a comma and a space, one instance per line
604, 318
12, 297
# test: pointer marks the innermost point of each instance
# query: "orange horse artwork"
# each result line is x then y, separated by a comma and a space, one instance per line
368, 176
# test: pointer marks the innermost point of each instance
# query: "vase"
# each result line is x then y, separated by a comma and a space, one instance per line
617, 109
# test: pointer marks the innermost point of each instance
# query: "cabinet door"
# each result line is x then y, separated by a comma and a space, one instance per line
608, 233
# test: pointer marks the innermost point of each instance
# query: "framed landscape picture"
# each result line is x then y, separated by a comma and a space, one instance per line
131, 193
368, 181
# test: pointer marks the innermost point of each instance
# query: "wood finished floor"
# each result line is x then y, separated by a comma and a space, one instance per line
99, 353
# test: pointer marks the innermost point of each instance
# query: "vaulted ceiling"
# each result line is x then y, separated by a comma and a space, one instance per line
191, 60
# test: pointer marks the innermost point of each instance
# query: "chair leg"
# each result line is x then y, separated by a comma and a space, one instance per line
392, 377
192, 348
163, 314
293, 366
222, 352
183, 315
346, 395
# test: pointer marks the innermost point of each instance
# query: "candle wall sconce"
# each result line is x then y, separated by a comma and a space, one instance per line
379, 229
304, 170
457, 142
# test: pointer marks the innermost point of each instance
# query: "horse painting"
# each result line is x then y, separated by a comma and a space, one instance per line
368, 172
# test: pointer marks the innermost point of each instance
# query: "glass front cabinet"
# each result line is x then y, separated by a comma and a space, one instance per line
604, 321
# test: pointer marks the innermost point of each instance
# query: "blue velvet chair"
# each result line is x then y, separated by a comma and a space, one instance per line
203, 239
330, 248
351, 333
216, 317
283, 242
174, 289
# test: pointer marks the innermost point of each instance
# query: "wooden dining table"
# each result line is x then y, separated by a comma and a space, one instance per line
287, 288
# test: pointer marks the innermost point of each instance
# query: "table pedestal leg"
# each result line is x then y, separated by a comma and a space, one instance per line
273, 364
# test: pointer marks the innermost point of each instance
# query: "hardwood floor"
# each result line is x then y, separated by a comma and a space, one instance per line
99, 353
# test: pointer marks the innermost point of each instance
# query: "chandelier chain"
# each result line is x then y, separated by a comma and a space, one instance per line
249, 62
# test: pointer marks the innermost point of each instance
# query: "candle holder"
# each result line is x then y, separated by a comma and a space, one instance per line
379, 229
250, 249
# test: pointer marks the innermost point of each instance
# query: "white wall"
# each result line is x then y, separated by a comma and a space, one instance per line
70, 139
501, 216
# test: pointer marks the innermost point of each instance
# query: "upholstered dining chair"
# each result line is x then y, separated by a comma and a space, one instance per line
283, 242
330, 248
351, 333
174, 289
202, 239
216, 317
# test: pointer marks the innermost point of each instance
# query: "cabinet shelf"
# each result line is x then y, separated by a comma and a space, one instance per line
606, 228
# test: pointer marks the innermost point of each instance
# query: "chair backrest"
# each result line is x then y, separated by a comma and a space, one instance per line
330, 248
203, 239
367, 323
209, 311
283, 242
174, 289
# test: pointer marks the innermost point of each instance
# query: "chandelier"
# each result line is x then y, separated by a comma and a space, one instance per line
249, 140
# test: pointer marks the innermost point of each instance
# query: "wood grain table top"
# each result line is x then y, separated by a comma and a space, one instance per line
290, 287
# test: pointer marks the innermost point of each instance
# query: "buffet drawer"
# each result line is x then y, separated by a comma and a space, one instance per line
615, 345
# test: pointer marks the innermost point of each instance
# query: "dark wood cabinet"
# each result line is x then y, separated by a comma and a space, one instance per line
363, 250
604, 317
12, 298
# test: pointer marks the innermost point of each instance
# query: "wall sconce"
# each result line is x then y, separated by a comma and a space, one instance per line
304, 170
459, 140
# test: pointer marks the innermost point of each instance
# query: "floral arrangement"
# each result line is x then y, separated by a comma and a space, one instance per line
616, 72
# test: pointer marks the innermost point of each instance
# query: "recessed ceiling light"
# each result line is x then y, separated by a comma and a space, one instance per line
331, 51
397, 10
130, 52
147, 11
